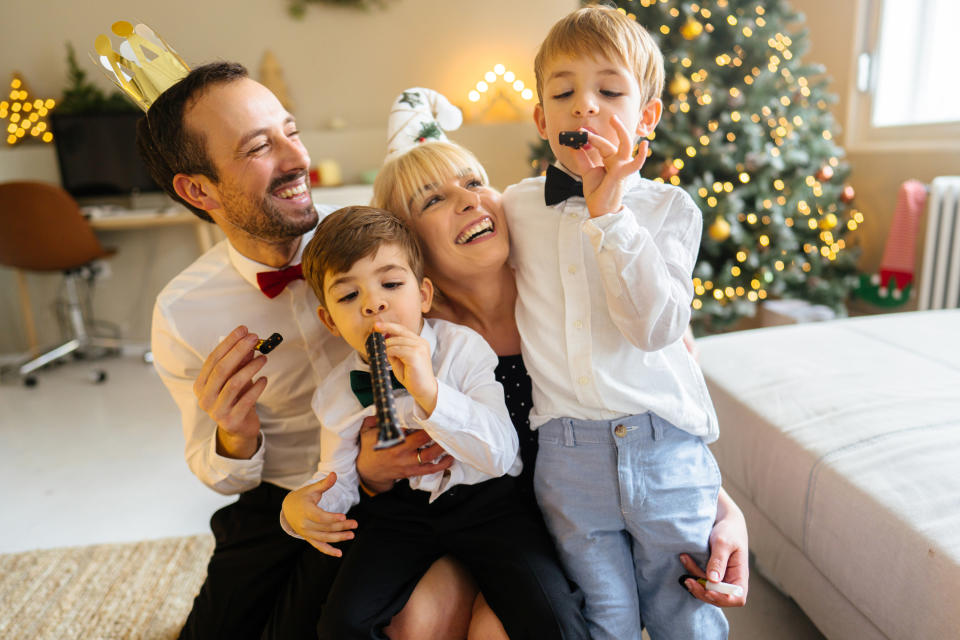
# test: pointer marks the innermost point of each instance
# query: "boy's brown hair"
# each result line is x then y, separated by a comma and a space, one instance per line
351, 234
598, 30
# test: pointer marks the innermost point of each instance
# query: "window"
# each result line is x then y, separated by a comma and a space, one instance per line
908, 83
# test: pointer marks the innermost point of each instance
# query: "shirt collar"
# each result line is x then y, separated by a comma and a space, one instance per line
248, 269
628, 183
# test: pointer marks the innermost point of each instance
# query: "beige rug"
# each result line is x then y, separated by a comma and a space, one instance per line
135, 591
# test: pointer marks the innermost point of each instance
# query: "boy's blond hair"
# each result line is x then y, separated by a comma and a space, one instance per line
400, 181
350, 234
596, 31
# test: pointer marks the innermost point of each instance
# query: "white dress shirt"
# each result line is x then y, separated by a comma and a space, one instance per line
192, 315
470, 420
603, 304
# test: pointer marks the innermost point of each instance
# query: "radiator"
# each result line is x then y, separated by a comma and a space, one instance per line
940, 275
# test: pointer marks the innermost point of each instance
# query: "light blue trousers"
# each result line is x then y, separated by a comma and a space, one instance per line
623, 499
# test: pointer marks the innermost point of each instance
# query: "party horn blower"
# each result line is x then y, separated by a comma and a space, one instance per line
390, 433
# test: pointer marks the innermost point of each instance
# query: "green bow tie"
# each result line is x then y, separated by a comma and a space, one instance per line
362, 387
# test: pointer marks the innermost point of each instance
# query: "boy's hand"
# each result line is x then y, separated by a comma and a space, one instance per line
313, 524
409, 355
603, 165
226, 391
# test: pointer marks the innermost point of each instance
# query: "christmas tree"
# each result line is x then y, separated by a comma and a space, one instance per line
747, 133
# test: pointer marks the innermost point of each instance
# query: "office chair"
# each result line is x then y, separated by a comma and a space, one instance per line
42, 229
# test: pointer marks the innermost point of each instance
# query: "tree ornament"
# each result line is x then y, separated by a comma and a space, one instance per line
828, 222
720, 229
825, 173
679, 85
691, 29
668, 170
848, 194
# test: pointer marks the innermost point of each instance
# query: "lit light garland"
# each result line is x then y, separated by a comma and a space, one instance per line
26, 118
497, 74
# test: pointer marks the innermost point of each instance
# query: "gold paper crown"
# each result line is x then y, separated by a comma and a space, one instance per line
141, 77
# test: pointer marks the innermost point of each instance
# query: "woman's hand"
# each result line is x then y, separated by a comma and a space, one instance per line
729, 558
415, 456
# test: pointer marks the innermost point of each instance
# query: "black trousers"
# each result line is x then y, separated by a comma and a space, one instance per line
261, 583
488, 527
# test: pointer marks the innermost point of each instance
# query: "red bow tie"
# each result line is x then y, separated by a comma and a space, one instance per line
273, 282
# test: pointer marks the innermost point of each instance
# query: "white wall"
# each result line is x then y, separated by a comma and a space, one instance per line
876, 175
338, 63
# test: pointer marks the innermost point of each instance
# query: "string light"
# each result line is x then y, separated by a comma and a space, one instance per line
492, 77
24, 115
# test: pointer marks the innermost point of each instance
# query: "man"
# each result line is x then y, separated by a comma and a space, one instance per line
225, 147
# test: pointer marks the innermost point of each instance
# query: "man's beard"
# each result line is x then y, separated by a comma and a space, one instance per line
264, 219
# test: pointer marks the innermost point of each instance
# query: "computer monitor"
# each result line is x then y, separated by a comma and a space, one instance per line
97, 154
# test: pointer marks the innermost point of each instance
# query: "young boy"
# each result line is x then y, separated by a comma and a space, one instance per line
366, 268
604, 261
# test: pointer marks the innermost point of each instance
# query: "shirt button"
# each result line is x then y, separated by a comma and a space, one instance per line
578, 324
620, 430
583, 380
572, 269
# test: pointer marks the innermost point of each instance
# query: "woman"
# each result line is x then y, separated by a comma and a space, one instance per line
442, 191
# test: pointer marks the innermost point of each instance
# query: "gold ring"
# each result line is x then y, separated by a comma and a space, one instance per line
419, 461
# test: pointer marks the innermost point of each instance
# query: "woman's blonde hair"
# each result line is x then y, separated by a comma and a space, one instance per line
604, 31
400, 180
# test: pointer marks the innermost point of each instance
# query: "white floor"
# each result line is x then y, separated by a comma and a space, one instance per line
84, 463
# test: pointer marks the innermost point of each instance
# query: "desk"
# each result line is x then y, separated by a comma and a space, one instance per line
207, 233
113, 218
145, 218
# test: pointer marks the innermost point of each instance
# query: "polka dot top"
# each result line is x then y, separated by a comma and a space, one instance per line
512, 374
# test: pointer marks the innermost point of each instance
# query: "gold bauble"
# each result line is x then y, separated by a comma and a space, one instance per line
719, 230
691, 29
679, 84
828, 222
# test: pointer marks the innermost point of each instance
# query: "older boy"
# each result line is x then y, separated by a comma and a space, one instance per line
366, 269
604, 261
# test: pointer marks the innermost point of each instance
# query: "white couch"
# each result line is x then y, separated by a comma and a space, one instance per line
841, 442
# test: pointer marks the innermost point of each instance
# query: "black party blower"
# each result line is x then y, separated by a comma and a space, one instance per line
267, 345
390, 433
574, 139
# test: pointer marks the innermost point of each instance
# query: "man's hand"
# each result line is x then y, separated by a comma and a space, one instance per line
313, 524
226, 391
380, 468
603, 166
409, 355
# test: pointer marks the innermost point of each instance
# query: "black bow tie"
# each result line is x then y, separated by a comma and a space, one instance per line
560, 186
362, 386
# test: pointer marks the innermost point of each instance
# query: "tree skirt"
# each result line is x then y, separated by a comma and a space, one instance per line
133, 591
